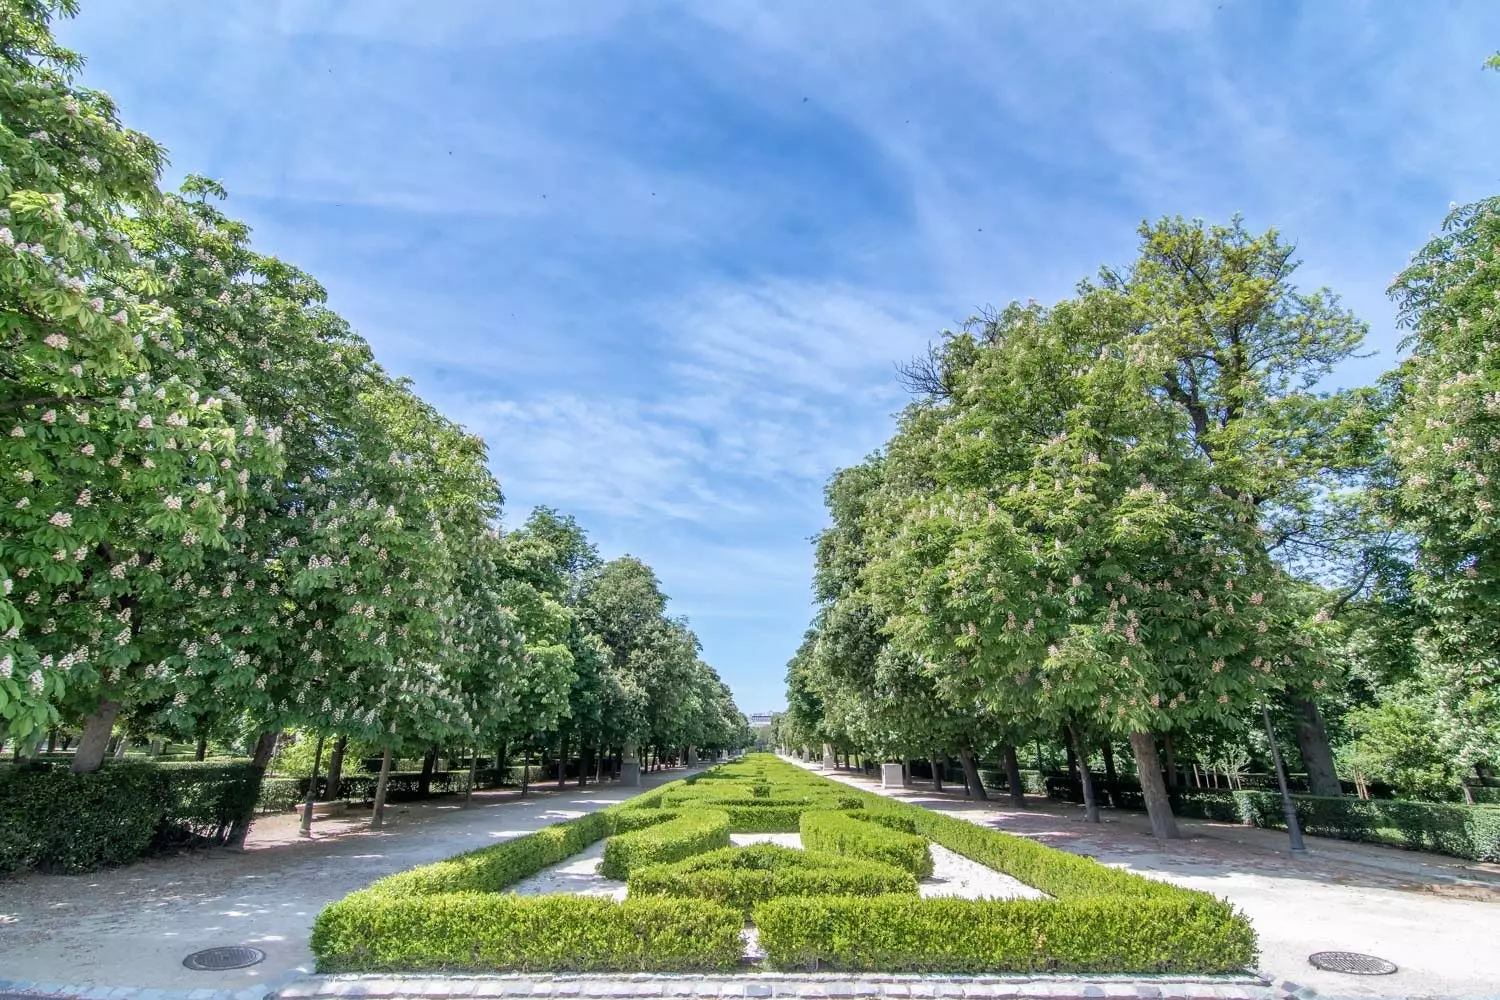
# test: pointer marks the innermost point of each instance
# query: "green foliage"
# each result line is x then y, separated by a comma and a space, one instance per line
1395, 742
685, 834
1444, 440
1471, 832
841, 833
743, 876
492, 869
54, 820
472, 931
903, 934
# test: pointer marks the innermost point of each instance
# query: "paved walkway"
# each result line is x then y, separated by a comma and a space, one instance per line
132, 927
1437, 918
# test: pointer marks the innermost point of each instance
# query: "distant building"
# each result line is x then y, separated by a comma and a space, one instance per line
760, 718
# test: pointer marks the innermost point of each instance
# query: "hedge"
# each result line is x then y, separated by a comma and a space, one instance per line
487, 931
54, 820
1032, 782
743, 876
1057, 873
840, 833
1191, 934
687, 833
494, 868
1471, 832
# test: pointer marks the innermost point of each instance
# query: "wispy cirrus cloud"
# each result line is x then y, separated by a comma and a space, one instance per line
665, 256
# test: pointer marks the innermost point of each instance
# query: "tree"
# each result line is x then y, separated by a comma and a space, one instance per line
121, 463
1056, 539
1445, 441
1245, 352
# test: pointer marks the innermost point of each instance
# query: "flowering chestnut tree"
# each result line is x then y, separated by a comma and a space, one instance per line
1050, 538
119, 466
1445, 439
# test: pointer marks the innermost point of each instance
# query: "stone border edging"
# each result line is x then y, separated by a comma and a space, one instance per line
808, 986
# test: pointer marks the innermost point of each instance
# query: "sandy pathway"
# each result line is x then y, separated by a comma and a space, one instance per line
133, 926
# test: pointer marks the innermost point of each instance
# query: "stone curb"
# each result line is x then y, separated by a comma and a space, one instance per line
66, 991
807, 986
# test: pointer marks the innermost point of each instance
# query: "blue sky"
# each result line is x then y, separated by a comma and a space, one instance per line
664, 256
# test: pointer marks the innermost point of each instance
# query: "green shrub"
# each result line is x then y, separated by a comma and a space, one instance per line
54, 820
1471, 832
377, 932
1032, 782
1057, 873
840, 833
743, 876
687, 833
494, 868
892, 933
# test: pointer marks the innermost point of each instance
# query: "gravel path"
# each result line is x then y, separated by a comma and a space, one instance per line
133, 926
955, 875
578, 874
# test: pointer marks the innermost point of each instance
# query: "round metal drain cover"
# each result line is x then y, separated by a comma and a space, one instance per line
1351, 962
219, 959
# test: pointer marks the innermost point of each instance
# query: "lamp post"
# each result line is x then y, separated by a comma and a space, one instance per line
1293, 829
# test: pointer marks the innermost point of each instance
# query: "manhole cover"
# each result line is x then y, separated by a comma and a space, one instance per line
219, 959
1351, 962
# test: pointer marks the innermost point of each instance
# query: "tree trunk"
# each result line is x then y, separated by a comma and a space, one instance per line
1067, 742
96, 732
1085, 779
1158, 805
584, 760
971, 774
526, 771
424, 783
473, 770
1013, 776
1171, 756
1109, 761
265, 748
312, 788
121, 746
598, 765
52, 741
937, 774
905, 772
202, 750
377, 814
260, 758
336, 768
562, 762
1317, 755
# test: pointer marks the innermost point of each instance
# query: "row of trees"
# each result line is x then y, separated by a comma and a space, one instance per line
1136, 515
216, 508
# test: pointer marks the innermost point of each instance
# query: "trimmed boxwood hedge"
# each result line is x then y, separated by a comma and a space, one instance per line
452, 916
687, 833
54, 820
841, 833
492, 869
1104, 934
1461, 831
486, 931
743, 876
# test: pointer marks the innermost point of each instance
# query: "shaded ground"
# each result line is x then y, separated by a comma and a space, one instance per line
1437, 918
133, 926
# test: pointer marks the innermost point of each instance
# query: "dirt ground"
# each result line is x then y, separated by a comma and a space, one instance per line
133, 926
1437, 918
